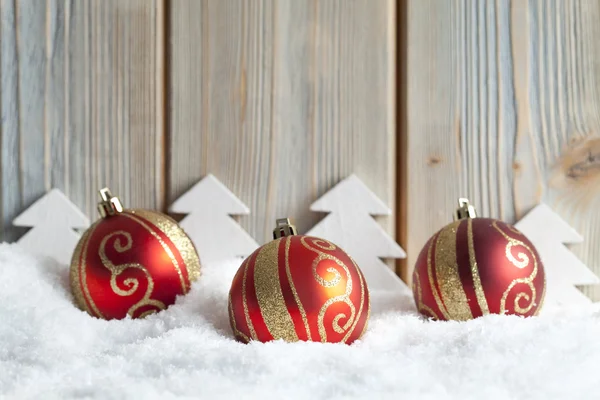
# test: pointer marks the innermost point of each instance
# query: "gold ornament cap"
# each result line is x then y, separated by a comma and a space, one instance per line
465, 210
284, 228
110, 205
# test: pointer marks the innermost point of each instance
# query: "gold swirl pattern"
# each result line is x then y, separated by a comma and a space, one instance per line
132, 284
362, 285
319, 245
522, 262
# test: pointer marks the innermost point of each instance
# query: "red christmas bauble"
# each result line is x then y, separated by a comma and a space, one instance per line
299, 288
131, 262
478, 266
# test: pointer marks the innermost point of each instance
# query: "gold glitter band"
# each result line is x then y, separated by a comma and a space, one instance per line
420, 305
82, 269
179, 238
446, 267
129, 214
481, 300
432, 284
269, 294
233, 324
246, 265
76, 285
362, 300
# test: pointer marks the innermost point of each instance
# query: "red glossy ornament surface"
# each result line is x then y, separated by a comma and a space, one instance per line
475, 267
299, 288
133, 263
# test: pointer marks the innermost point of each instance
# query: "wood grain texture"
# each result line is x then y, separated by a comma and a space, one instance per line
281, 100
504, 109
82, 100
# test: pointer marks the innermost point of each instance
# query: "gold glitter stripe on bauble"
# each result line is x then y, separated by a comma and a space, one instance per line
362, 300
269, 294
367, 320
368, 306
481, 300
179, 238
246, 265
76, 288
422, 307
83, 268
233, 324
542, 298
432, 284
288, 272
446, 268
165, 247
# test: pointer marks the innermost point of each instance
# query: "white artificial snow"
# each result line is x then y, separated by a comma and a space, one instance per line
51, 350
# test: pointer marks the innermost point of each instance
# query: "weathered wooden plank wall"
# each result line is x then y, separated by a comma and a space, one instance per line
504, 108
281, 100
82, 102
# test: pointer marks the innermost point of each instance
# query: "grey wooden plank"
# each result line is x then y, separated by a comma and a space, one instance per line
437, 86
565, 140
503, 100
56, 159
9, 67
83, 97
282, 99
31, 45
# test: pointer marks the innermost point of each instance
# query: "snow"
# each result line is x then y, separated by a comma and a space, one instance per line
49, 349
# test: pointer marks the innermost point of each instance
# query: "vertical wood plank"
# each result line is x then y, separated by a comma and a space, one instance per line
9, 128
82, 85
503, 109
31, 45
402, 189
56, 161
565, 145
281, 99
433, 119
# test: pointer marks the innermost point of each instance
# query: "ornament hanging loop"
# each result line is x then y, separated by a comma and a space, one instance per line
109, 205
464, 210
284, 228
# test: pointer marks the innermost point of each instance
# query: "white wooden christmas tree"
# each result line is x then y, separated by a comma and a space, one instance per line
217, 237
53, 219
549, 233
350, 226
